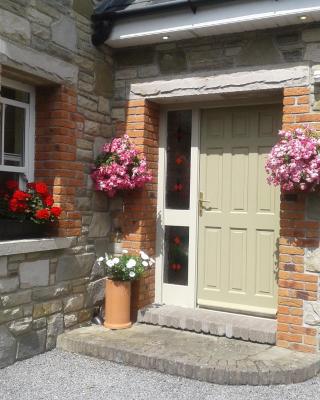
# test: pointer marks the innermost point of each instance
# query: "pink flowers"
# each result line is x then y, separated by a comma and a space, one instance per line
119, 167
294, 162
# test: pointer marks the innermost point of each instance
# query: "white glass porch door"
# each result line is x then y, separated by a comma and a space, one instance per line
177, 207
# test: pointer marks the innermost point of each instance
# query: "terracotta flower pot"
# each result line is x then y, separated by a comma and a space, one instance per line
117, 304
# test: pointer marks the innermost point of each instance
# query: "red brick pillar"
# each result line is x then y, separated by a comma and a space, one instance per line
138, 219
55, 157
298, 287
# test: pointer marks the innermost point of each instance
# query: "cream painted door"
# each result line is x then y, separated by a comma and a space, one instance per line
239, 225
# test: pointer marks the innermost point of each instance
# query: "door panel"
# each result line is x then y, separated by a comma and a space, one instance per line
238, 226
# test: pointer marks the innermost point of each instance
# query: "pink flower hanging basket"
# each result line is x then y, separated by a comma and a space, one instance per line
120, 167
294, 162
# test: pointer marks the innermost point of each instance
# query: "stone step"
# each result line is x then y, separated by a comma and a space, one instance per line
243, 327
193, 355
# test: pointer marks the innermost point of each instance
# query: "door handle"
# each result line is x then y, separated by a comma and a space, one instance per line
201, 203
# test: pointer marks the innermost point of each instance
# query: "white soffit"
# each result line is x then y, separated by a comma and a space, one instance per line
228, 17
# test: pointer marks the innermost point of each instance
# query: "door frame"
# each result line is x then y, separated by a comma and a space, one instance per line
165, 292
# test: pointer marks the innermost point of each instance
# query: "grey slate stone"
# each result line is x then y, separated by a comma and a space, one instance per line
47, 308
95, 292
103, 78
100, 225
50, 292
39, 323
31, 343
34, 273
74, 266
260, 52
312, 259
73, 303
172, 61
15, 299
8, 285
83, 7
15, 27
135, 56
55, 328
70, 320
64, 33
100, 201
3, 266
11, 314
98, 271
20, 326
311, 35
8, 347
312, 313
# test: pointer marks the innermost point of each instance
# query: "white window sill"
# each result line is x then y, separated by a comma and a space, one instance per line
22, 246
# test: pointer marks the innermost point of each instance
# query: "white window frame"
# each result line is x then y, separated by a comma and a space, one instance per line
29, 140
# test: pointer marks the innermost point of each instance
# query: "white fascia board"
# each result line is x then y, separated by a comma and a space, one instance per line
210, 20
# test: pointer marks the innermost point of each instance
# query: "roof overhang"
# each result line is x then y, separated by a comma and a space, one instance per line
222, 18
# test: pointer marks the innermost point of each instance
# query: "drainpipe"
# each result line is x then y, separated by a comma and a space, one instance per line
103, 21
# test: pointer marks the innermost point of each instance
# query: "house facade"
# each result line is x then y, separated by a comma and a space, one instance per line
202, 88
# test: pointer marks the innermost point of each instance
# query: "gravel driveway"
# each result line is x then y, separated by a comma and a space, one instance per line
66, 376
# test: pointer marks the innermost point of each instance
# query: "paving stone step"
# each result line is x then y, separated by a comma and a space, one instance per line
244, 327
192, 355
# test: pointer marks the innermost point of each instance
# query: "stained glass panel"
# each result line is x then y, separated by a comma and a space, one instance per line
176, 255
178, 160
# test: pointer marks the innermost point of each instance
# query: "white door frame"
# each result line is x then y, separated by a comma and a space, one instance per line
169, 293
164, 292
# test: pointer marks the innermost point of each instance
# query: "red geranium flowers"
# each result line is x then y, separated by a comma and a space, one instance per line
35, 203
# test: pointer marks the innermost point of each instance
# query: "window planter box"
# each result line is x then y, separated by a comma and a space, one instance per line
11, 229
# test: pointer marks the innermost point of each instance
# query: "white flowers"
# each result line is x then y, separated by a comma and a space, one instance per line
131, 263
126, 267
144, 256
110, 263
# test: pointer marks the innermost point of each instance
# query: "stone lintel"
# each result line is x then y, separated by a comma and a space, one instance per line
223, 83
37, 64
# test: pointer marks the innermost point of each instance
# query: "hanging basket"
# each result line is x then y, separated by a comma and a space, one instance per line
11, 229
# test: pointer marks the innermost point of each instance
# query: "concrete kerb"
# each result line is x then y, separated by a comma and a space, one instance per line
191, 355
248, 328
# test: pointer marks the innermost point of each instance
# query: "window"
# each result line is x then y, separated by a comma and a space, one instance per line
17, 113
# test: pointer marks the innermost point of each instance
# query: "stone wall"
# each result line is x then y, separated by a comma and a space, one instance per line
48, 44
250, 52
42, 293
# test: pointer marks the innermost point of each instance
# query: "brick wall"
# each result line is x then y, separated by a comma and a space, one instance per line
57, 129
137, 219
299, 232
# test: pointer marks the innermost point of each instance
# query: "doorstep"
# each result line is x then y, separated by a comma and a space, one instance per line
218, 323
193, 355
